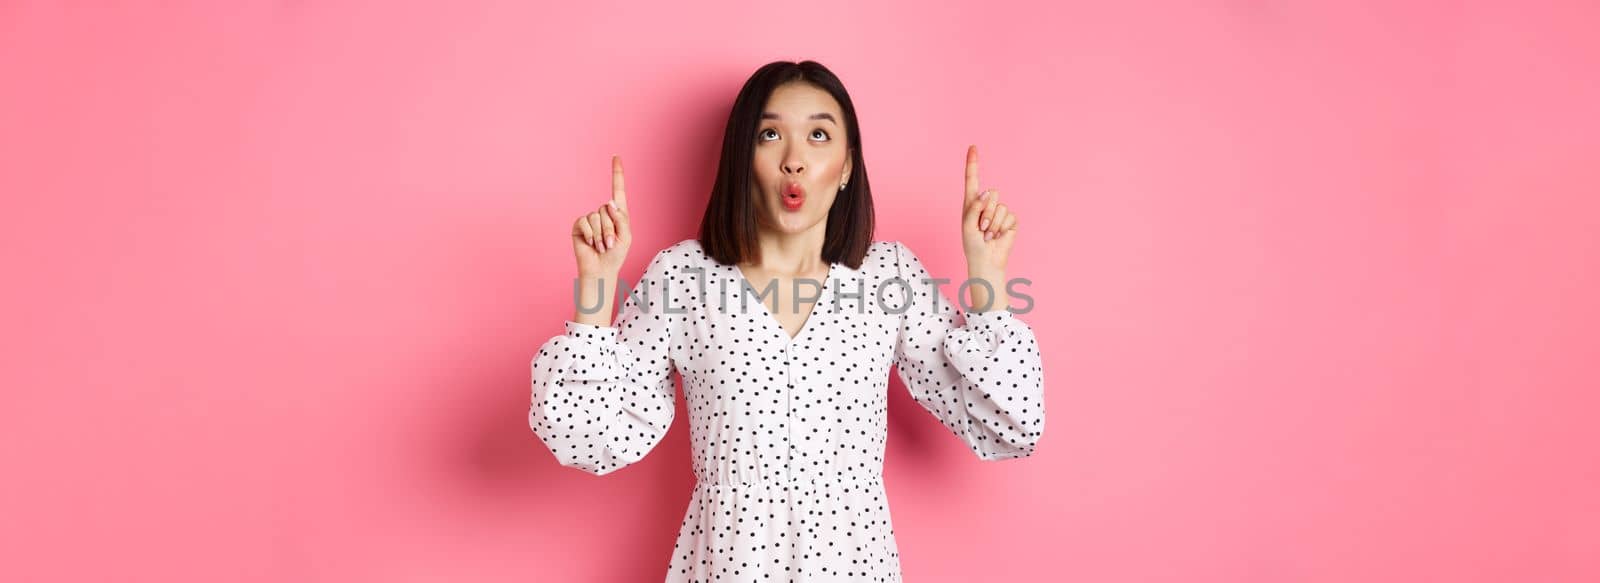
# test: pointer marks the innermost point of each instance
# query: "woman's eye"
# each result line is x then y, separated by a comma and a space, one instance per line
771, 134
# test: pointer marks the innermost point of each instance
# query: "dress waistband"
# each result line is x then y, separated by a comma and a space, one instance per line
857, 481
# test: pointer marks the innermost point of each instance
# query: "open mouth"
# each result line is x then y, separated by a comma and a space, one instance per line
794, 195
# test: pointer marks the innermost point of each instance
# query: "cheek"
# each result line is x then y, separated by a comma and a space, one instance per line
832, 166
763, 168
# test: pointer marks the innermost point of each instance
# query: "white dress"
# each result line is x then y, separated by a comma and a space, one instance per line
787, 435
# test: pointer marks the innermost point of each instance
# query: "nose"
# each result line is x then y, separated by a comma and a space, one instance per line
793, 165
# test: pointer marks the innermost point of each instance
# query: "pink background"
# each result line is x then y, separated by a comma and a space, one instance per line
1316, 285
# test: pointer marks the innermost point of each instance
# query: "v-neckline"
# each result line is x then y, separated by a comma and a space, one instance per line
771, 321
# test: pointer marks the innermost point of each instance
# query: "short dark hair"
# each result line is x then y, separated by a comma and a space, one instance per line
728, 229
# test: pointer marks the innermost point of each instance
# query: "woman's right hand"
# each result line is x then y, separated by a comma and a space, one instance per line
600, 239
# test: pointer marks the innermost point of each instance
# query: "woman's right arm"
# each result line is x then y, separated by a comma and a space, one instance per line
603, 395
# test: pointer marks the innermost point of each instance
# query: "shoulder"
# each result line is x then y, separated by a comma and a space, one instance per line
897, 258
893, 251
882, 250
687, 249
883, 256
684, 252
676, 257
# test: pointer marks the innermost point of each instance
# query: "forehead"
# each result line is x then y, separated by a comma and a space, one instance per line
796, 101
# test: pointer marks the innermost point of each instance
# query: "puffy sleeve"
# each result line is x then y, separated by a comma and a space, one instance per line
983, 378
604, 396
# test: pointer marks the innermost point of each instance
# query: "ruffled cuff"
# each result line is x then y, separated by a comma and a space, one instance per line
591, 332
990, 320
972, 346
600, 355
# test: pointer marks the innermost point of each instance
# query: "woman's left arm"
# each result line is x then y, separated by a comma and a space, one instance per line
984, 379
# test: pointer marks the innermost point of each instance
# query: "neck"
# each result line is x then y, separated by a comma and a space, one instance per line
791, 253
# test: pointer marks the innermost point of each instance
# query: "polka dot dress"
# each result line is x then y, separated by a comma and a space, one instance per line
787, 434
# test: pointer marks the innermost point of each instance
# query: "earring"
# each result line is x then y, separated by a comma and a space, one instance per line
841, 186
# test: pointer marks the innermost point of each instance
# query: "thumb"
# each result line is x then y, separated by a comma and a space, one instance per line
974, 209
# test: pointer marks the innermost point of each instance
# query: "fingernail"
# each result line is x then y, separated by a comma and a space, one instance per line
610, 242
612, 203
983, 225
983, 194
590, 240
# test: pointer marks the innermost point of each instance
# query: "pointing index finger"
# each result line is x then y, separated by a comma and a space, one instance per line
618, 195
972, 172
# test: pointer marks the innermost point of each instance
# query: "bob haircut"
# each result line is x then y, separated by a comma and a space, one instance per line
728, 229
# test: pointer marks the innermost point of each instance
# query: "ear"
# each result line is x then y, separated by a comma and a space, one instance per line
849, 164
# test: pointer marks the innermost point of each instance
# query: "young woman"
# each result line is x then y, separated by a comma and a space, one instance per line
786, 399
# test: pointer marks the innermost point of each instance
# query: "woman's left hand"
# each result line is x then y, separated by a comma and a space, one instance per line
988, 227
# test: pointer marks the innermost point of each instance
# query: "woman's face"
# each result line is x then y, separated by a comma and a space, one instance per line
802, 156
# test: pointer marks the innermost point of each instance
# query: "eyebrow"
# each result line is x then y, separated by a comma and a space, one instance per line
823, 115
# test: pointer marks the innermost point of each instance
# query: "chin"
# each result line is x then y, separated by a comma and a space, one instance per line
784, 221
793, 223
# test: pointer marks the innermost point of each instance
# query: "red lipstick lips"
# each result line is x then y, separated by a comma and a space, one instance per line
794, 196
